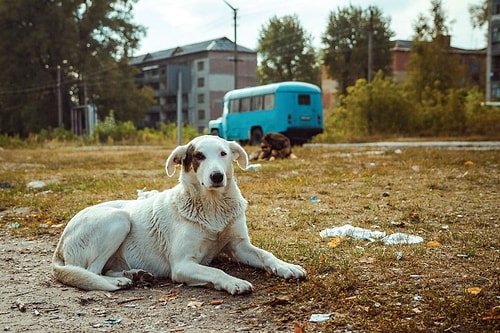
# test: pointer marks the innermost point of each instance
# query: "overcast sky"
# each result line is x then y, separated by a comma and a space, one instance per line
172, 23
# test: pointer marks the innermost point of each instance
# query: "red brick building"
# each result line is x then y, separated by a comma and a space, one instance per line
473, 61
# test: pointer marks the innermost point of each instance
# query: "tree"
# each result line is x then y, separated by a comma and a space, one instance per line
479, 13
377, 108
346, 43
286, 52
86, 42
432, 65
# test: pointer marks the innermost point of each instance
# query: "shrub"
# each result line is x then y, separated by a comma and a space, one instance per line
369, 109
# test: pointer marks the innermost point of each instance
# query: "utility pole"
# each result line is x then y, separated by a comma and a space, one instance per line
235, 50
370, 46
179, 108
488, 53
59, 97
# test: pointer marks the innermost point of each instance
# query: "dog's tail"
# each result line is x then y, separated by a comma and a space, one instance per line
79, 277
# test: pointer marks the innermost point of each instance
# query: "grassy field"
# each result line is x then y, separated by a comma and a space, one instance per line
450, 197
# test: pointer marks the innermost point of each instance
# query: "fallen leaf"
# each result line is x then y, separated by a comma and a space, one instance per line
300, 327
216, 302
468, 163
281, 300
195, 304
169, 296
434, 244
473, 290
336, 241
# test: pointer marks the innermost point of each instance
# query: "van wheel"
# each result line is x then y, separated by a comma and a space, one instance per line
256, 137
215, 132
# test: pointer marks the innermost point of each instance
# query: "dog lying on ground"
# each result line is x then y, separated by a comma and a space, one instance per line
175, 233
273, 146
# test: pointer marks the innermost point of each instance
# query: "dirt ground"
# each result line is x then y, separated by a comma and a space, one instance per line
33, 302
448, 283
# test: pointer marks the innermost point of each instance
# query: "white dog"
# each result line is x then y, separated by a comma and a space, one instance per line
175, 233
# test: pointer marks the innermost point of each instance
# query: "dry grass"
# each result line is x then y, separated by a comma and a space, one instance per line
449, 196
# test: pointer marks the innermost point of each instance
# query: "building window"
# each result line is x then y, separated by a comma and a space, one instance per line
201, 82
201, 98
201, 114
201, 65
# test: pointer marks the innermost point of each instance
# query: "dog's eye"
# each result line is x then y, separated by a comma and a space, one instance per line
223, 153
199, 156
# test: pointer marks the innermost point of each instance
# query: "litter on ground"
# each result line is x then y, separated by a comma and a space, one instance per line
369, 235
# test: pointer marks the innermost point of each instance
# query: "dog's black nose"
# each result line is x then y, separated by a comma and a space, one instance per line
216, 177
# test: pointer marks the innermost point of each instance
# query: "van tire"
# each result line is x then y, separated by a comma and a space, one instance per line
215, 132
256, 136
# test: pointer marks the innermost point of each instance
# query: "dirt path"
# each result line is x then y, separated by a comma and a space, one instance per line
33, 302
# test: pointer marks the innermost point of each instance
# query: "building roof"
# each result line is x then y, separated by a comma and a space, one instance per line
406, 45
219, 44
402, 45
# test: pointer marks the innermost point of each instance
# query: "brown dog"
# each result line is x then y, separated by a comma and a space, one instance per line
273, 146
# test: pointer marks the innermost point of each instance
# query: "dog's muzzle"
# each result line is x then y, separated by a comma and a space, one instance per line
217, 179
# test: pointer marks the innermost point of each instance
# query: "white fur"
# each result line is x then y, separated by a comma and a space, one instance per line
175, 233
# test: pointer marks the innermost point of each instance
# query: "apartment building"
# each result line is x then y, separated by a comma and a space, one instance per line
207, 73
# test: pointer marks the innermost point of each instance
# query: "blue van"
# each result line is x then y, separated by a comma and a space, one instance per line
291, 108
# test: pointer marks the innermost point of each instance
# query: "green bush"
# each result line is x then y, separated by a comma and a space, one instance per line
11, 141
481, 119
111, 132
383, 108
375, 109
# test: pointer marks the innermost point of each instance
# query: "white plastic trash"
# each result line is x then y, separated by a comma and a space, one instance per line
366, 234
252, 167
401, 238
354, 232
319, 317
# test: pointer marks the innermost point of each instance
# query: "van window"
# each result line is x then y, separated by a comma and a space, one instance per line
269, 102
234, 106
304, 99
245, 104
257, 103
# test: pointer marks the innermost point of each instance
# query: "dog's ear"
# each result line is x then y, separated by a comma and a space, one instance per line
239, 154
174, 159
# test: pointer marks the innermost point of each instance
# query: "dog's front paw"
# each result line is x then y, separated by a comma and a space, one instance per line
139, 276
236, 287
123, 283
290, 271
